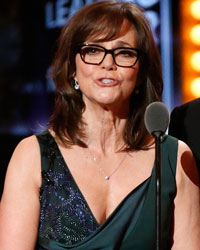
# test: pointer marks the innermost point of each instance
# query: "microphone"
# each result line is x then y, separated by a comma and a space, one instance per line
156, 120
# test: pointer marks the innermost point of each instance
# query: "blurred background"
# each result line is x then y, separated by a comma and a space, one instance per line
28, 34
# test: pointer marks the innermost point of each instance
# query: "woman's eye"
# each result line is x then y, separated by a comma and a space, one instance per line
92, 50
126, 53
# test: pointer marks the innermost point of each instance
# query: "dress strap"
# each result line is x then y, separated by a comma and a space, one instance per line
171, 143
47, 148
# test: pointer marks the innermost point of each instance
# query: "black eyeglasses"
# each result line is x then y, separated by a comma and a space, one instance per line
123, 56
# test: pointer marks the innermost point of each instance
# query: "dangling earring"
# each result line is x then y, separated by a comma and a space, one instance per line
76, 85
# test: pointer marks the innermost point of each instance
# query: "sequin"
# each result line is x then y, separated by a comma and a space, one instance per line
64, 213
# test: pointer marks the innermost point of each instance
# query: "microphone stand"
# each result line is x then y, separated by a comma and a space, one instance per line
157, 135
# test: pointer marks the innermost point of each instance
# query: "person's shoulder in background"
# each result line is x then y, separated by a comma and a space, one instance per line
185, 125
185, 115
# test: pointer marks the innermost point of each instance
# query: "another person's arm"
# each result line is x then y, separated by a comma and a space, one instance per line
187, 202
19, 207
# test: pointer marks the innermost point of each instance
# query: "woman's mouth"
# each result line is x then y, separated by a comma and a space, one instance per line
107, 82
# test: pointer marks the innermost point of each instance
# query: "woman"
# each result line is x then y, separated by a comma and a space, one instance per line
97, 188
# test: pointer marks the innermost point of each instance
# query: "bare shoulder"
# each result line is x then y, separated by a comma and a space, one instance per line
186, 165
26, 144
187, 202
20, 206
25, 161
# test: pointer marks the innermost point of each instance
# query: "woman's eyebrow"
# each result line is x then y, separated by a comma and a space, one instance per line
123, 43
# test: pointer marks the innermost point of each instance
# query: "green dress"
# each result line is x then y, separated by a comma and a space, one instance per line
66, 221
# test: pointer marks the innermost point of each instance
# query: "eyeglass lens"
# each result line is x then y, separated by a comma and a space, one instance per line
122, 56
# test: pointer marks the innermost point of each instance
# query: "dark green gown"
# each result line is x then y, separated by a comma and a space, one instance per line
66, 221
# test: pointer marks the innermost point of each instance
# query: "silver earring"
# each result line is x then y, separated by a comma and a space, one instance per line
76, 85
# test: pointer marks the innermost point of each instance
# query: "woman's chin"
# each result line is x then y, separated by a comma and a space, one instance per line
107, 98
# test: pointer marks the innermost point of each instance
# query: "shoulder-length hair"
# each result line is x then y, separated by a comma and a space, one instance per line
104, 20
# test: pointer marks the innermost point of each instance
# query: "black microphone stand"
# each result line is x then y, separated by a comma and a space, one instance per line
156, 119
157, 135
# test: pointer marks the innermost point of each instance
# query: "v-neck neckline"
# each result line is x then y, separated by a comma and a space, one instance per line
66, 168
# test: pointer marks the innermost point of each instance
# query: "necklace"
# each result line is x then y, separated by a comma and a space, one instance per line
107, 177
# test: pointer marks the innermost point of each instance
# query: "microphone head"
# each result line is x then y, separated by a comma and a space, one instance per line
156, 117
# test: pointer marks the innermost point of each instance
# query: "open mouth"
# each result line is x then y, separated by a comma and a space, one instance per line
106, 80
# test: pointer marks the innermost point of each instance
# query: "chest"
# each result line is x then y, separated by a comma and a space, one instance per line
102, 195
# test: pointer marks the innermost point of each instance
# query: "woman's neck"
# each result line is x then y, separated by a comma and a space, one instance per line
104, 129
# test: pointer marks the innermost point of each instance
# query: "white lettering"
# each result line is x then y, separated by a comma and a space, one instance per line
50, 22
61, 12
56, 14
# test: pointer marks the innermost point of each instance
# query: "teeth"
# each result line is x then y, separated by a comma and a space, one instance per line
107, 80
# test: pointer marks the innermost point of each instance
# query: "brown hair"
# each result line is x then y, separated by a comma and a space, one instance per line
104, 19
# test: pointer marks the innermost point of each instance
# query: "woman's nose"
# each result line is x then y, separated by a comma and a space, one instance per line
108, 62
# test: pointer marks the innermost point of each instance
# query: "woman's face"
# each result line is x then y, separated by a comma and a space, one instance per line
108, 84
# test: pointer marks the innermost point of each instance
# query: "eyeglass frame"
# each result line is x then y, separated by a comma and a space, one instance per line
109, 51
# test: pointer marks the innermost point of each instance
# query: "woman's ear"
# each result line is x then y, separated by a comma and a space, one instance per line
74, 76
